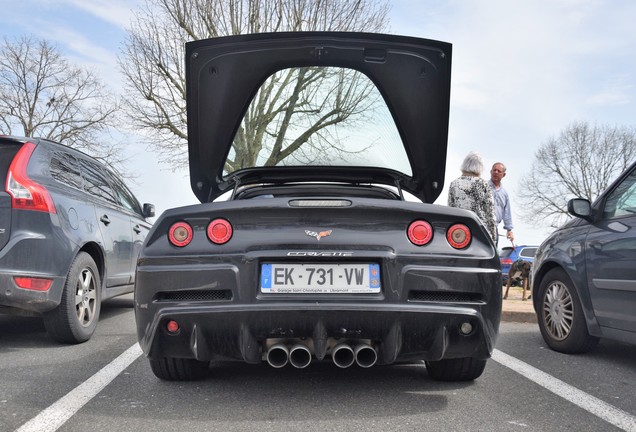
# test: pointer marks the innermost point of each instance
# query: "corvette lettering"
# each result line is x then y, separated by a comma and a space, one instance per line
320, 254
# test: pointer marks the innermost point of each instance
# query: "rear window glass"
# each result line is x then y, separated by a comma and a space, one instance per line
320, 116
7, 153
505, 252
528, 252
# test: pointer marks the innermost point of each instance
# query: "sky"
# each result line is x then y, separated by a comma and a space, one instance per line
522, 70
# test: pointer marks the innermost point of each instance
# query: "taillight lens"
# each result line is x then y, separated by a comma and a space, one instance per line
219, 231
34, 284
420, 232
25, 193
180, 234
458, 236
172, 326
506, 261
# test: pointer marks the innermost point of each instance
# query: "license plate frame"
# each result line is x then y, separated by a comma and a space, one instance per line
320, 278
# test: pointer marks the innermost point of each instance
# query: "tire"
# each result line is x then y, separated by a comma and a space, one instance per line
561, 318
74, 320
461, 369
178, 369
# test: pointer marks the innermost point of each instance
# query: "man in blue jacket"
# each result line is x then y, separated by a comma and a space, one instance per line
502, 200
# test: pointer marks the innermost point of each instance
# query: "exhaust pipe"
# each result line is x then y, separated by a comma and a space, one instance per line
277, 355
342, 355
299, 356
366, 355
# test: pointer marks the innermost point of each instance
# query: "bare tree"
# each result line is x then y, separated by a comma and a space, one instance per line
43, 95
580, 162
153, 63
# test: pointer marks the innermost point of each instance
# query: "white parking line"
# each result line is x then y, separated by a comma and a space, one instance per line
57, 414
603, 410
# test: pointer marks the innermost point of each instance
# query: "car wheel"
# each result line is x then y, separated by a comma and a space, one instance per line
561, 318
179, 369
75, 318
461, 369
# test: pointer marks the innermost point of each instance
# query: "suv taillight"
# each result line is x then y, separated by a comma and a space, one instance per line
25, 193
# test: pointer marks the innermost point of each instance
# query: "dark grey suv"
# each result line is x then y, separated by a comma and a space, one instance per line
70, 235
584, 285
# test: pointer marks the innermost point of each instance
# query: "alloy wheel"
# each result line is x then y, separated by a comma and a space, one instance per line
86, 297
558, 311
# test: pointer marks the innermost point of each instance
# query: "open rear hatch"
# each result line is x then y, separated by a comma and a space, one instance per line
224, 74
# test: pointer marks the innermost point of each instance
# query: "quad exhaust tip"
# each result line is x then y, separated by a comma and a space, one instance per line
343, 355
300, 356
366, 355
278, 355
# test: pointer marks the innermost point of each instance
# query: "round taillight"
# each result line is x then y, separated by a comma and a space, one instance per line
420, 232
458, 236
219, 231
180, 234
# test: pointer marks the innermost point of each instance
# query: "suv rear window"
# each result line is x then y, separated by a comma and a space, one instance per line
8, 150
528, 252
505, 252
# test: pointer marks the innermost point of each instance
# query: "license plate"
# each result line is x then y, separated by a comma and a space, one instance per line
320, 278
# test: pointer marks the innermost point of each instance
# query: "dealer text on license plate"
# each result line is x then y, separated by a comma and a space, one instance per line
320, 278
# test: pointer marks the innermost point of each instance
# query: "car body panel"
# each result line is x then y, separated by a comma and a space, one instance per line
610, 260
412, 74
18, 258
598, 255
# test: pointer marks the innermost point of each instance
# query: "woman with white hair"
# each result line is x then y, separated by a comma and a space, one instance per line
471, 192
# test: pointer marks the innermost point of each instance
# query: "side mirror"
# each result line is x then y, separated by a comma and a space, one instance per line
149, 210
580, 207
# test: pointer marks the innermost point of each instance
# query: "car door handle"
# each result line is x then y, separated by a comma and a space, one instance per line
137, 229
105, 219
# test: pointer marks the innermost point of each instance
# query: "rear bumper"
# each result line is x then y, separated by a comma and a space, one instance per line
16, 300
427, 332
220, 318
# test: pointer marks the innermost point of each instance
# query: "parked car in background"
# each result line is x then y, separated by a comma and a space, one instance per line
70, 234
304, 248
584, 285
510, 254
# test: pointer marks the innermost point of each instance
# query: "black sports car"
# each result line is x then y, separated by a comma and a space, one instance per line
316, 157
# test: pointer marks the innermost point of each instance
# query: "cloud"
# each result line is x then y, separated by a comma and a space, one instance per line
116, 12
87, 33
82, 51
618, 91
